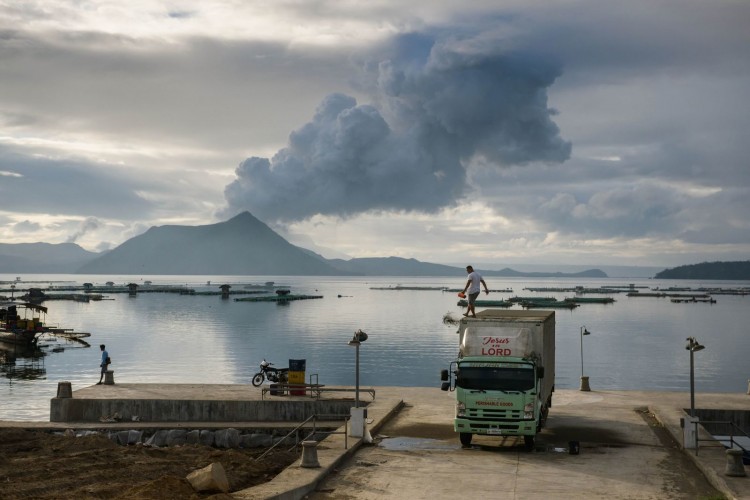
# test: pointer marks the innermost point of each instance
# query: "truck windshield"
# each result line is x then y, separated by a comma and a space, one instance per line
488, 378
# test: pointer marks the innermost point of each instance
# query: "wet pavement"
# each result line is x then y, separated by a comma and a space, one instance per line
625, 442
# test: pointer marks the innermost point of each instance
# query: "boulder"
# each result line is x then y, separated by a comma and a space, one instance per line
257, 441
176, 437
193, 437
206, 438
210, 478
159, 438
227, 438
134, 437
122, 437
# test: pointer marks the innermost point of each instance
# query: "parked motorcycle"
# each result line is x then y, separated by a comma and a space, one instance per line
267, 371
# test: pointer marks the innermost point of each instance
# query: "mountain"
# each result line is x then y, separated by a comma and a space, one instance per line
510, 273
396, 266
739, 270
242, 245
40, 258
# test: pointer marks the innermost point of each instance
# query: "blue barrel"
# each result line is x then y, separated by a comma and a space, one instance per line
297, 365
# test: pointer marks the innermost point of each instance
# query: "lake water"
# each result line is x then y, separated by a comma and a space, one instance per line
635, 343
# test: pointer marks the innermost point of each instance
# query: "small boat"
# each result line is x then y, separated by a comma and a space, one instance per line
532, 299
589, 300
267, 284
17, 330
402, 287
708, 300
540, 304
486, 303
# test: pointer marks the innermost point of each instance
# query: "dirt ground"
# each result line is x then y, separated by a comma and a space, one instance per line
39, 465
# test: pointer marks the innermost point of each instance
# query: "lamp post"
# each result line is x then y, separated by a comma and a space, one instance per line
357, 421
357, 339
584, 380
690, 438
693, 346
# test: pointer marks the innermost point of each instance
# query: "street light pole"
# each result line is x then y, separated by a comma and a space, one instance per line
584, 380
357, 422
357, 339
691, 426
356, 376
692, 384
693, 346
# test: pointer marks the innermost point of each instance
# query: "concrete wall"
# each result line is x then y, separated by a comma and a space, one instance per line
150, 410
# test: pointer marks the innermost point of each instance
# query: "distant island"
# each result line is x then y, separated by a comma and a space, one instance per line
739, 270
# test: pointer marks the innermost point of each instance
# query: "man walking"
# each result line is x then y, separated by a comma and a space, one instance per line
472, 285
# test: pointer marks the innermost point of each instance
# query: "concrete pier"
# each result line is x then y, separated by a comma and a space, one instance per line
628, 443
164, 403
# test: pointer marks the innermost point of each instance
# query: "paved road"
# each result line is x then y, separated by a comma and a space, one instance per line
624, 454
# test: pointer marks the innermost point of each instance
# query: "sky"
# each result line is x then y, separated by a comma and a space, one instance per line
560, 133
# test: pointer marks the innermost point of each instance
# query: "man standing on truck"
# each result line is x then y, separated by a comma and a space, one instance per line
472, 285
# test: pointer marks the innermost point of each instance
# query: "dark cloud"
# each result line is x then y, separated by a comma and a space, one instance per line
436, 105
72, 187
199, 94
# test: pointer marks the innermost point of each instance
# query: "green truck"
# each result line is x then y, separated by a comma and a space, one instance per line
504, 375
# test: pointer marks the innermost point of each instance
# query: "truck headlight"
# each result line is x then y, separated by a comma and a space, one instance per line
528, 411
460, 409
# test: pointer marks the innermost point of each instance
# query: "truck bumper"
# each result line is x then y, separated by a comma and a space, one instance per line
496, 428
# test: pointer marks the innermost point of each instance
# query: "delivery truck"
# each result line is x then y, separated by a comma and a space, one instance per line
504, 375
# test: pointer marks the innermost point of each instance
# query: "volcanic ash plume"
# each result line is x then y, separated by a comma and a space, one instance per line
436, 106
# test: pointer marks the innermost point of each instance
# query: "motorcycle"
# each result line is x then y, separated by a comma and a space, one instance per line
267, 371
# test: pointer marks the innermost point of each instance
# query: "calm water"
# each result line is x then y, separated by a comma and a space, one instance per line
635, 343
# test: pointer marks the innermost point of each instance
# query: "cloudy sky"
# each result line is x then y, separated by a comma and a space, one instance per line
567, 132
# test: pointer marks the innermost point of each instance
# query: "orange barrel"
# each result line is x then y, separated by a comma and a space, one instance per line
297, 376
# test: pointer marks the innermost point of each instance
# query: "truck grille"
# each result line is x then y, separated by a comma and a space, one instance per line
513, 427
494, 414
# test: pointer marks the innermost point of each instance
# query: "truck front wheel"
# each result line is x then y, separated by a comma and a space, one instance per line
528, 441
465, 438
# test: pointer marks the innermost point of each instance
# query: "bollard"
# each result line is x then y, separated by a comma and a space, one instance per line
734, 467
574, 447
585, 384
310, 454
109, 377
357, 422
64, 390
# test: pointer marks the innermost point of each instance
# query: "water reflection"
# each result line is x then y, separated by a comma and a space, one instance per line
20, 362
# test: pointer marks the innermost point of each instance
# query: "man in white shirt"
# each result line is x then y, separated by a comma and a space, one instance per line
472, 286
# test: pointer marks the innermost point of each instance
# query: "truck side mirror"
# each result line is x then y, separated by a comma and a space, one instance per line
540, 371
445, 386
443, 375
